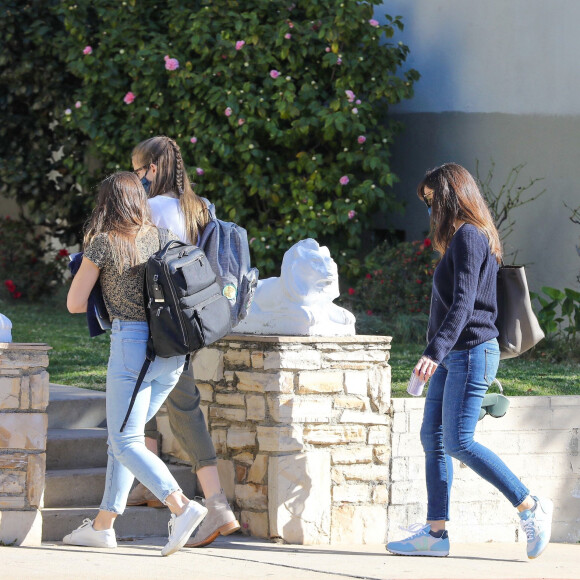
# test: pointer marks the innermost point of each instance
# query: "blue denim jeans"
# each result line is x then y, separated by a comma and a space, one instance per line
452, 408
127, 455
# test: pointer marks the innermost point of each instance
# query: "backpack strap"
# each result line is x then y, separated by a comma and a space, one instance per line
150, 353
149, 358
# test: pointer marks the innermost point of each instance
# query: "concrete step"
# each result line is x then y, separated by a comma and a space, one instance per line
74, 408
84, 487
76, 448
136, 522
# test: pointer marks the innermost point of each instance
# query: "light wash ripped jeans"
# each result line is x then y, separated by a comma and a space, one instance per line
127, 455
452, 407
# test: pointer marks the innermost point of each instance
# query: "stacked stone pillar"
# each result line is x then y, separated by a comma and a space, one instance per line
302, 433
23, 425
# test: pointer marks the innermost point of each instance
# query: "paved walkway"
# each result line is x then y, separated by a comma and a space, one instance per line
241, 558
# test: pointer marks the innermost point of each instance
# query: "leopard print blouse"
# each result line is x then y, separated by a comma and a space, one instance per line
123, 293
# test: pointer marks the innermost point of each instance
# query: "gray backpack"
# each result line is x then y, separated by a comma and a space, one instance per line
226, 246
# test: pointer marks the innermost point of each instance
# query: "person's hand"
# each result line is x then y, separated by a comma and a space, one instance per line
425, 368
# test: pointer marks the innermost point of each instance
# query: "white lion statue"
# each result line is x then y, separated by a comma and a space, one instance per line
299, 302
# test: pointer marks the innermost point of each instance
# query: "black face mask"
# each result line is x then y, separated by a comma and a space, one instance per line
146, 182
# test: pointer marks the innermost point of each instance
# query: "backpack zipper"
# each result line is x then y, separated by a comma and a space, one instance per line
175, 302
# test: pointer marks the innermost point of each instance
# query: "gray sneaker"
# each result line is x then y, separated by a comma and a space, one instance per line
220, 520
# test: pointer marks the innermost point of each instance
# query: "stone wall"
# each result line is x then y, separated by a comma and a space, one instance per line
23, 424
302, 433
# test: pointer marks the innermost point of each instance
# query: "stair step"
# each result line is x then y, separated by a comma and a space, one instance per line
84, 487
76, 448
135, 522
74, 408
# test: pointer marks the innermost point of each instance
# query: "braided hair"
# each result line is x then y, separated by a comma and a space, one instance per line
172, 178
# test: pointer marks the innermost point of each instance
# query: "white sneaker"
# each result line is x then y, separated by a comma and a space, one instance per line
180, 527
86, 535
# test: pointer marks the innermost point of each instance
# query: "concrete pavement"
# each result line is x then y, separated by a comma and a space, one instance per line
242, 558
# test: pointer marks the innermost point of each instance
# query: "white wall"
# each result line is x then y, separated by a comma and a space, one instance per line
498, 82
492, 56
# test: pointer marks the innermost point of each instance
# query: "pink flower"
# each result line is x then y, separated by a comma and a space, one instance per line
327, 49
354, 111
344, 180
351, 214
287, 36
67, 112
350, 96
274, 73
361, 139
199, 171
240, 44
193, 140
166, 58
241, 122
171, 64
129, 98
374, 22
78, 104
339, 60
228, 112
358, 101
290, 24
88, 50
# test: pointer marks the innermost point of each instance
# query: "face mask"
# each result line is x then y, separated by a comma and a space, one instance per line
146, 183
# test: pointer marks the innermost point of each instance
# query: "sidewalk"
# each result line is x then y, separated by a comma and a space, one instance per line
242, 558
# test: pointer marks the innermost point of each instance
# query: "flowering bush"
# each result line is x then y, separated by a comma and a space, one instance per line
30, 267
281, 106
398, 280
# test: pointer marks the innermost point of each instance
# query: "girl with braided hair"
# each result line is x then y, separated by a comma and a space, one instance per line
175, 206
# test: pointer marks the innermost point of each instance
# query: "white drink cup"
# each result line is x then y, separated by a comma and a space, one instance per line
415, 386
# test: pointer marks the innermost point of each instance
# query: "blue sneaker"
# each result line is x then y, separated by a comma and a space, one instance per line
537, 523
421, 543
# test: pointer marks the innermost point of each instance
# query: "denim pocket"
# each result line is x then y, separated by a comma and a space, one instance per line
491, 364
133, 354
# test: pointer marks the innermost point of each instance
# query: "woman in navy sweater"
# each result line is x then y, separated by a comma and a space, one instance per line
462, 358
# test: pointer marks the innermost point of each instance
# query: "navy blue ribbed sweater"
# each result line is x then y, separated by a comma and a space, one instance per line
464, 299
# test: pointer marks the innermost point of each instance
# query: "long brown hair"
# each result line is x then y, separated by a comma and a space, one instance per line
121, 212
172, 177
457, 197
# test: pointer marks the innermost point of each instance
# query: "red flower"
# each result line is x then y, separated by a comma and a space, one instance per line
351, 291
63, 252
16, 294
426, 242
370, 312
10, 285
368, 276
419, 281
